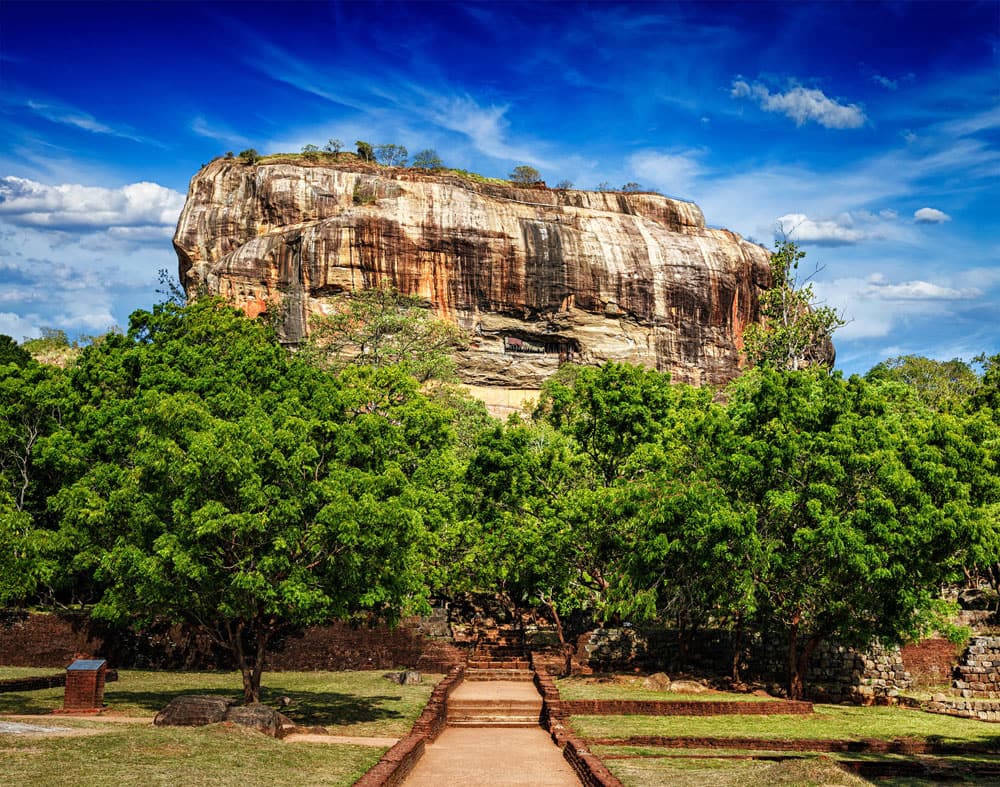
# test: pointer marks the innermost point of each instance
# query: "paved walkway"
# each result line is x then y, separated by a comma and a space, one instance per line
493, 756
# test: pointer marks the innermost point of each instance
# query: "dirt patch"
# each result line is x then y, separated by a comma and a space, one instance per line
44, 731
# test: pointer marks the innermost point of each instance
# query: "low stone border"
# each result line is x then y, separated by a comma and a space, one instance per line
979, 710
44, 682
682, 708
865, 745
397, 763
587, 765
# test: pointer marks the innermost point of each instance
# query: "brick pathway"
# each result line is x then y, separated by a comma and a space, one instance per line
492, 757
493, 738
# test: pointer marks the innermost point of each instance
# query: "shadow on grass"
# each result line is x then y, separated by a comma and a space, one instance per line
307, 708
330, 708
30, 703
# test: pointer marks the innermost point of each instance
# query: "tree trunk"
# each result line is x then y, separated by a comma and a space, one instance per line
794, 676
567, 650
250, 655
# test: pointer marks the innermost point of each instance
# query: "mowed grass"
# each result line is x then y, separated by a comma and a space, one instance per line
653, 767
719, 772
360, 703
108, 754
122, 755
600, 689
828, 722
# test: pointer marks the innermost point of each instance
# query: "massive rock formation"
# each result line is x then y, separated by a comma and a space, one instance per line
536, 276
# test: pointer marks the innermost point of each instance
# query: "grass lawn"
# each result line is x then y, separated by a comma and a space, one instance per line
663, 771
829, 721
103, 754
591, 689
651, 767
217, 756
359, 703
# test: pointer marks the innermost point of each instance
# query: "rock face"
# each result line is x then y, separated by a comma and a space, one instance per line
536, 276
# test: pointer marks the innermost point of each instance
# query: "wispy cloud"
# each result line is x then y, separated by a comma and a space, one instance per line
66, 115
803, 105
674, 173
204, 128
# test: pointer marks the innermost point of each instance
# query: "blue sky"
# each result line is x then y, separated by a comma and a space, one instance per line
870, 132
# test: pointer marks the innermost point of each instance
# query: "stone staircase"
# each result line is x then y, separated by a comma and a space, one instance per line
499, 654
498, 690
498, 703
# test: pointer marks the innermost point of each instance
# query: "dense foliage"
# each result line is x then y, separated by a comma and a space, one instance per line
193, 470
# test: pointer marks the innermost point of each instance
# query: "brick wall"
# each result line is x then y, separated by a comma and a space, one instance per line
930, 662
51, 640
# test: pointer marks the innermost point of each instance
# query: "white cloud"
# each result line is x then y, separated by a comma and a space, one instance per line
802, 105
19, 326
799, 227
673, 173
846, 228
878, 287
876, 306
930, 216
25, 202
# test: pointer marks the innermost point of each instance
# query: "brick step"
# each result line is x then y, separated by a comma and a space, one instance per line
458, 708
499, 674
493, 723
514, 664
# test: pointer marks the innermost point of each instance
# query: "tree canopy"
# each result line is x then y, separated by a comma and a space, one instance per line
193, 470
234, 487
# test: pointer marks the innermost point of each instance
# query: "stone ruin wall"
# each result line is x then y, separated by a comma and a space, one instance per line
837, 674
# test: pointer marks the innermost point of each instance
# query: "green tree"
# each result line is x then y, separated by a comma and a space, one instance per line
858, 512
334, 146
382, 327
12, 352
516, 538
523, 174
941, 385
33, 408
391, 155
234, 488
427, 159
564, 185
631, 187
365, 151
310, 152
249, 156
795, 331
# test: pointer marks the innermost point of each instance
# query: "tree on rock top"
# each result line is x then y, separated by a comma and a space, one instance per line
524, 174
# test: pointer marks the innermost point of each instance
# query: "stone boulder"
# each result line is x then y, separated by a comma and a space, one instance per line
194, 710
658, 681
261, 718
687, 687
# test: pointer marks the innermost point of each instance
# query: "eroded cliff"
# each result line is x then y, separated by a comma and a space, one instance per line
536, 276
